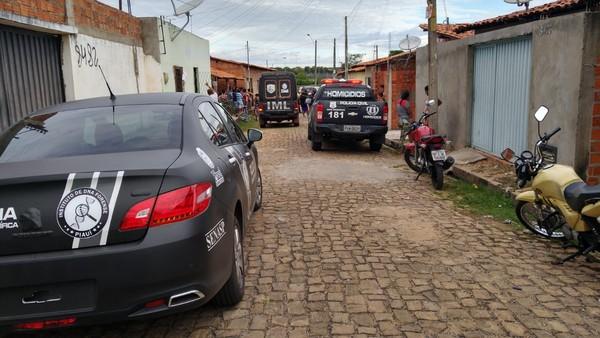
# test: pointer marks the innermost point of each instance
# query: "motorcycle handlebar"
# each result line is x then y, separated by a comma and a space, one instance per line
547, 137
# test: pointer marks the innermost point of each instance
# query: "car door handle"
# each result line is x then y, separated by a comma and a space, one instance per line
232, 160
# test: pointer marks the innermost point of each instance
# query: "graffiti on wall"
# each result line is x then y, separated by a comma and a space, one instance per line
86, 55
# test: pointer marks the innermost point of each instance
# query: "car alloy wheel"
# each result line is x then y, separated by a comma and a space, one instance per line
238, 256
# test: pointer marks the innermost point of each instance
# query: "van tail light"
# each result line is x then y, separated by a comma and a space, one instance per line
320, 109
47, 324
170, 207
296, 106
386, 111
261, 107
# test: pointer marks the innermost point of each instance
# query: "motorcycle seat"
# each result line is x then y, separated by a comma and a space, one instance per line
433, 139
579, 194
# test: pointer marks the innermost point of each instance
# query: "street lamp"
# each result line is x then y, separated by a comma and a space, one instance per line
310, 37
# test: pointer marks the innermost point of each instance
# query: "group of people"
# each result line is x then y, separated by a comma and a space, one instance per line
241, 101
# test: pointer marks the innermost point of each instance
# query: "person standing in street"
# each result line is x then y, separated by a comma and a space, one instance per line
403, 111
303, 104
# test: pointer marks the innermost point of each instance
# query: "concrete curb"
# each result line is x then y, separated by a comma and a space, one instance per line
462, 173
395, 144
474, 178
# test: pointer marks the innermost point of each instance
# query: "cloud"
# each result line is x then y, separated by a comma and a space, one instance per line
277, 29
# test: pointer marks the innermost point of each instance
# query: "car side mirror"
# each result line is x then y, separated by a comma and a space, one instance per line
541, 113
254, 135
507, 154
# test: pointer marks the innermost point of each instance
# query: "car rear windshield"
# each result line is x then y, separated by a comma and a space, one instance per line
92, 131
356, 93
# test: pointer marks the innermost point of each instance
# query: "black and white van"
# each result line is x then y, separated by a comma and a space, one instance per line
278, 98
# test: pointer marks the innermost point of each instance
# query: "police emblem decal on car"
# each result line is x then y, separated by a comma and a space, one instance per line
271, 88
84, 230
82, 213
372, 110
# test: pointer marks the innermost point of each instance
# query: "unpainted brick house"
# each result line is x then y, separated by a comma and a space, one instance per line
375, 74
228, 74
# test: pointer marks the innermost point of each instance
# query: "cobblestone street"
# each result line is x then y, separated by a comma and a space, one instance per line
348, 244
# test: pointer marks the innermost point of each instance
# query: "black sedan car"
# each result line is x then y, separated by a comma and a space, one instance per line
121, 209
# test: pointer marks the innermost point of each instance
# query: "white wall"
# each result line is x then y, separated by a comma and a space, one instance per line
83, 54
187, 51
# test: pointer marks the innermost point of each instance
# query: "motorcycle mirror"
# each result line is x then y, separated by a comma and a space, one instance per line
430, 103
541, 113
507, 154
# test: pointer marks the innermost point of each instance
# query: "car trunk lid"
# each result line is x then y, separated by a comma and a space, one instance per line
44, 207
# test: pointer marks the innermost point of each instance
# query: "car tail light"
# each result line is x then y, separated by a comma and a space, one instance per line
261, 107
47, 324
170, 207
138, 216
296, 106
320, 109
386, 111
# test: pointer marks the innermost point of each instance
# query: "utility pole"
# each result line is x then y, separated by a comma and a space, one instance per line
389, 81
120, 5
432, 49
346, 47
315, 62
248, 63
334, 50
267, 63
376, 52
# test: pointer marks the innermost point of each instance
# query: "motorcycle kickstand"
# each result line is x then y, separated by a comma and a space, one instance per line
580, 252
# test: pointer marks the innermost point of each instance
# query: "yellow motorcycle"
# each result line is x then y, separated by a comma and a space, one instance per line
559, 203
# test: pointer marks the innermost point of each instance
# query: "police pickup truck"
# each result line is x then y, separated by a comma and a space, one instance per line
347, 110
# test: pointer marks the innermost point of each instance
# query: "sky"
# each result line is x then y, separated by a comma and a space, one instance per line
276, 30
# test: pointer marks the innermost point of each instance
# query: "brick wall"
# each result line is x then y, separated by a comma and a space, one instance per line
403, 78
46, 10
89, 14
593, 173
97, 16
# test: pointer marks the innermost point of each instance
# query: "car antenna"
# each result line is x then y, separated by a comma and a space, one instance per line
112, 95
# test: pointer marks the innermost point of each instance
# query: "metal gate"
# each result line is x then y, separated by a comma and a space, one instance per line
501, 78
30, 73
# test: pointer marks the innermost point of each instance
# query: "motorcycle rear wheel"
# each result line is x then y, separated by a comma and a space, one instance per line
529, 214
437, 176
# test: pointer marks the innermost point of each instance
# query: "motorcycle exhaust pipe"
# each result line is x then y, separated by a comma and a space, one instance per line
448, 163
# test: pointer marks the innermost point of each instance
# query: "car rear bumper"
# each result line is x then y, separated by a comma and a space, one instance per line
337, 131
279, 115
107, 284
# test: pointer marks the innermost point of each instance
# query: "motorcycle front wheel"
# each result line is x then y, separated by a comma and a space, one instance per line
412, 159
437, 176
531, 215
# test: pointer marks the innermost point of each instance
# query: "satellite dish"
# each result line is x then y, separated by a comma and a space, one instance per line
519, 3
185, 8
410, 43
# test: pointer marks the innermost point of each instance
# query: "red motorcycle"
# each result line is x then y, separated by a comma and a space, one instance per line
424, 152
